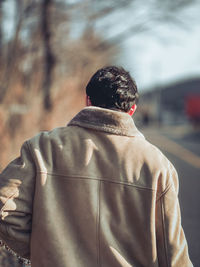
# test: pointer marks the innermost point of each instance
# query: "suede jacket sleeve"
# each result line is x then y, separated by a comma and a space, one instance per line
171, 243
17, 183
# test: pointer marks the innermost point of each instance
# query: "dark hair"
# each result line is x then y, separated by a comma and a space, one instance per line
112, 87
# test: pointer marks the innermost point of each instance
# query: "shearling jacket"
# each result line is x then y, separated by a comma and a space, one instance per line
94, 193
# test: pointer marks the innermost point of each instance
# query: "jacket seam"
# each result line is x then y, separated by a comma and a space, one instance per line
164, 231
164, 192
98, 225
98, 179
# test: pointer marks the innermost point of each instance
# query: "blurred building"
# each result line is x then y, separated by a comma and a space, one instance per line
168, 104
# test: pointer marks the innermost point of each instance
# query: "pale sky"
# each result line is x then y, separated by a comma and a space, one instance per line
157, 63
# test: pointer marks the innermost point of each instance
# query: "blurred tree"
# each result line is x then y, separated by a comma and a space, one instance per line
49, 57
1, 33
12, 51
55, 18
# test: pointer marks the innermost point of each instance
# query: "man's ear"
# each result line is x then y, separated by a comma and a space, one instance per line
132, 110
88, 101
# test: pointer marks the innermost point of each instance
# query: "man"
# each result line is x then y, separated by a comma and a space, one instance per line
94, 193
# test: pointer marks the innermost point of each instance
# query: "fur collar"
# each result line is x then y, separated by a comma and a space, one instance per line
106, 120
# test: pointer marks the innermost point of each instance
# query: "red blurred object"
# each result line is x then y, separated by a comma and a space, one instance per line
192, 106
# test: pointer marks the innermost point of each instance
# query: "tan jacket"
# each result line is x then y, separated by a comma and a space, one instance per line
94, 193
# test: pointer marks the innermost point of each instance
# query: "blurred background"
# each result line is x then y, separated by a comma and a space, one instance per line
50, 48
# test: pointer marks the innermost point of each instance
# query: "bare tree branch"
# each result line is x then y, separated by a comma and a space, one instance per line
109, 9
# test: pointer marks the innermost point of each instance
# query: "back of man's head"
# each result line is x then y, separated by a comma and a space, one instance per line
112, 87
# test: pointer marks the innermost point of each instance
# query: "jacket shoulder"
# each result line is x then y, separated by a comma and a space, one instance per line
47, 136
160, 168
46, 144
